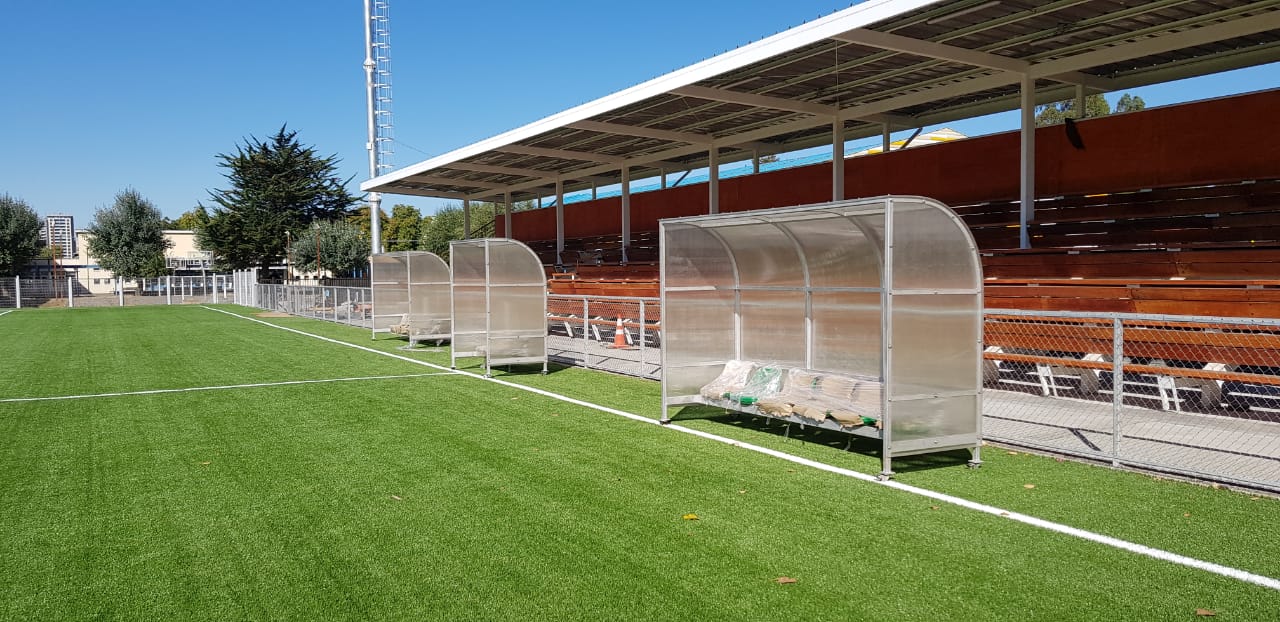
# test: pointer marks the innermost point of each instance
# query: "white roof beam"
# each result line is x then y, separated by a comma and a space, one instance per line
452, 181
1161, 44
642, 132
501, 170
759, 101
563, 154
965, 56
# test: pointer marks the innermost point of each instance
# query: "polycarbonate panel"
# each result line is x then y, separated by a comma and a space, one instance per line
429, 293
846, 330
840, 253
697, 329
773, 327
467, 263
935, 344
694, 258
513, 263
764, 255
509, 307
931, 250
934, 417
389, 277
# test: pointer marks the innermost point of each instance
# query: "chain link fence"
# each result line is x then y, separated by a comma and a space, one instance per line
16, 293
621, 335
1197, 396
1192, 396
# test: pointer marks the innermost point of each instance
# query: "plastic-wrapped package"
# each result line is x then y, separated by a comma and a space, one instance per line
730, 381
799, 386
764, 382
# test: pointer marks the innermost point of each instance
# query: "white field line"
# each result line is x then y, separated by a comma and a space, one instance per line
217, 388
6, 312
1133, 547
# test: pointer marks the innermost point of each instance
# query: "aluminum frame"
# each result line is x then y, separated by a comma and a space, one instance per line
927, 278
502, 280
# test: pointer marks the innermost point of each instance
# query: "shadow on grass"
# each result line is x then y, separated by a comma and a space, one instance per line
838, 441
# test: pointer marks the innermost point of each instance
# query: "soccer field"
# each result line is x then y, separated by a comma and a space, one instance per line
198, 463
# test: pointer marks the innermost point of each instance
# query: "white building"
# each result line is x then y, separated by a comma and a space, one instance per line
183, 257
60, 230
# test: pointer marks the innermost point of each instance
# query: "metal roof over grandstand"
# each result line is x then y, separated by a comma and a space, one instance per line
897, 63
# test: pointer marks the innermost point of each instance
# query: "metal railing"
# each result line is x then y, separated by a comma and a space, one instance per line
1192, 396
73, 292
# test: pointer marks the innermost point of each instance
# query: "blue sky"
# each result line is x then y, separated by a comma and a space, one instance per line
99, 96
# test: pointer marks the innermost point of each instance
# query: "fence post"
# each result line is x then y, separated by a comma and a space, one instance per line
71, 298
642, 335
120, 290
586, 334
1117, 386
168, 289
17, 291
215, 289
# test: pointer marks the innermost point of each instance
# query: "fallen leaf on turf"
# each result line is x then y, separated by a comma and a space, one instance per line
690, 517
1254, 498
933, 507
206, 463
1004, 513
742, 492
1028, 486
515, 398
1206, 613
1012, 453
791, 470
1186, 514
1058, 459
1215, 486
396, 498
555, 414
786, 580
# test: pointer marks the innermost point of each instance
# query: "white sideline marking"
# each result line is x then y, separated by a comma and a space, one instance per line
217, 388
1132, 547
6, 312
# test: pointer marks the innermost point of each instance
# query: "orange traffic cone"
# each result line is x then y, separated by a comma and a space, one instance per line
619, 336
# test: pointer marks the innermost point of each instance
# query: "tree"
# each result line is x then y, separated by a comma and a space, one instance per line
342, 248
1052, 114
402, 231
19, 235
277, 185
446, 226
1130, 103
128, 237
191, 220
360, 218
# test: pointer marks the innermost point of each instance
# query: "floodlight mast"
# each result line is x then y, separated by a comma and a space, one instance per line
377, 73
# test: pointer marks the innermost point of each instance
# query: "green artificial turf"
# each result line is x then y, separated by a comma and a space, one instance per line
446, 497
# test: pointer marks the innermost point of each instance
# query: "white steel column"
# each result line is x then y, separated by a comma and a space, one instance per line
168, 289
71, 294
506, 214
119, 289
626, 211
1028, 166
17, 292
713, 181
837, 160
466, 219
559, 220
